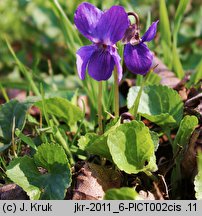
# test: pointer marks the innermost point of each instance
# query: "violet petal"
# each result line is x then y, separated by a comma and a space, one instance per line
86, 18
112, 25
150, 33
138, 58
117, 60
82, 57
101, 65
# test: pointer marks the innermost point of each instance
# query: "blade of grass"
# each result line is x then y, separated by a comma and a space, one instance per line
3, 164
59, 138
164, 23
25, 139
177, 65
71, 35
7, 83
44, 106
4, 93
23, 69
108, 98
166, 42
196, 76
110, 103
81, 123
178, 17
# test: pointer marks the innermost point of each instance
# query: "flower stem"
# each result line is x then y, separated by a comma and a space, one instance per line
100, 107
116, 93
134, 108
168, 134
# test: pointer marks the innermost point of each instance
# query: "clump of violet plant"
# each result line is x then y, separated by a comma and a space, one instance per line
104, 29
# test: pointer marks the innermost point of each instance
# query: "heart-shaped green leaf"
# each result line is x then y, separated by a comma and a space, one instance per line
24, 173
49, 184
12, 116
132, 148
63, 109
159, 104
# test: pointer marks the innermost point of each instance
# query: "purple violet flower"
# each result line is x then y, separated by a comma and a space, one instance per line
104, 29
137, 56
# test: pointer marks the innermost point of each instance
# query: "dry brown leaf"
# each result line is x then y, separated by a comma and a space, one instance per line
12, 192
168, 77
93, 180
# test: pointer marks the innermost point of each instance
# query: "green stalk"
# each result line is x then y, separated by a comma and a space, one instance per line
81, 123
100, 108
44, 105
151, 176
116, 93
60, 139
58, 136
135, 106
4, 93
168, 134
